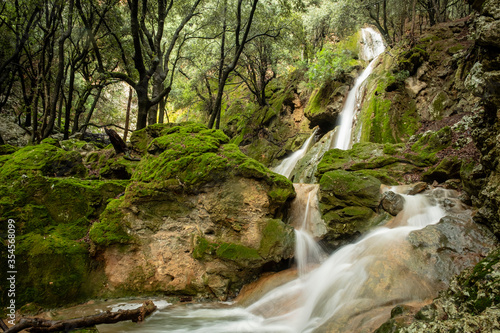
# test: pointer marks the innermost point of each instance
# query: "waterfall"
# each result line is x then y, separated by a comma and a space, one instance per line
286, 166
305, 217
339, 293
341, 136
373, 47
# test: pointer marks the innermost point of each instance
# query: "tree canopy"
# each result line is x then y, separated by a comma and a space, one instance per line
62, 63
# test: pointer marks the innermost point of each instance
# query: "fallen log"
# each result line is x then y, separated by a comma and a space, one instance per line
36, 325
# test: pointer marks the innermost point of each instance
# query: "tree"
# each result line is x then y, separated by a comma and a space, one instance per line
17, 20
147, 25
258, 68
240, 32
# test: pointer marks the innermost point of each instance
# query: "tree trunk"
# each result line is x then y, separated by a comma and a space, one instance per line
92, 108
127, 116
142, 111
45, 325
60, 74
118, 144
69, 102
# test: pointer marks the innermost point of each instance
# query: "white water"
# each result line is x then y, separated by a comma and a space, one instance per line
306, 218
286, 166
354, 281
374, 46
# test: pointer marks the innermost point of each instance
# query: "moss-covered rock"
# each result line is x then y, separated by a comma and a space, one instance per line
325, 104
197, 210
278, 238
342, 188
412, 59
348, 200
382, 161
387, 114
44, 159
118, 168
53, 217
424, 150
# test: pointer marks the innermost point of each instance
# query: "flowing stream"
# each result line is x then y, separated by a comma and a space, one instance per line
342, 292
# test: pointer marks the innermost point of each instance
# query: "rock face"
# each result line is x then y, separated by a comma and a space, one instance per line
326, 104
470, 304
484, 84
199, 217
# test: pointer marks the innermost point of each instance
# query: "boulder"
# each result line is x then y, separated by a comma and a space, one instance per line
325, 105
348, 201
392, 203
199, 218
488, 24
471, 301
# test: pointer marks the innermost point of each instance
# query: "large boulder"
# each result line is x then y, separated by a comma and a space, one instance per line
348, 201
199, 218
488, 24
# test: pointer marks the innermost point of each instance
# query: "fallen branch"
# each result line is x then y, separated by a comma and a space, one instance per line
43, 325
100, 126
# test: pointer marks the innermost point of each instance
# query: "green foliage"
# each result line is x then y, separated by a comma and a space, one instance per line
332, 61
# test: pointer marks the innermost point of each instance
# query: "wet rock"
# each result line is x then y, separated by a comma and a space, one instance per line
392, 203
417, 188
452, 245
347, 202
382, 161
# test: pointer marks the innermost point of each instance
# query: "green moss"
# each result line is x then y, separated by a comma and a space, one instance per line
228, 251
334, 159
236, 252
345, 188
321, 98
448, 168
425, 148
202, 158
276, 236
7, 149
77, 145
384, 176
109, 230
43, 159
52, 269
455, 49
118, 168
479, 287
51, 141
412, 59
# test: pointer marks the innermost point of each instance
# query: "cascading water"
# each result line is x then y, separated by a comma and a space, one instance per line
286, 166
341, 136
351, 291
343, 293
374, 46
